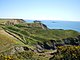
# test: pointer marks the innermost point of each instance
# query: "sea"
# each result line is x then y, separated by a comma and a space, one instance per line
66, 25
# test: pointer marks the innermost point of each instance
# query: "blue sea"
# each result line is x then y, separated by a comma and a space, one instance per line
66, 25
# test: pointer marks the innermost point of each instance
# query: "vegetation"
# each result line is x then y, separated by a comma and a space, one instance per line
37, 42
7, 41
28, 55
67, 53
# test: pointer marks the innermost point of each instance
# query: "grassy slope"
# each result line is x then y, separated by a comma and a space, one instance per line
30, 36
2, 21
7, 41
54, 34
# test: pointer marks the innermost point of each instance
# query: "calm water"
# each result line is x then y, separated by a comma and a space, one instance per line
61, 24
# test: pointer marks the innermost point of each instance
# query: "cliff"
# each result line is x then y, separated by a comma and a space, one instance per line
24, 40
21, 22
11, 21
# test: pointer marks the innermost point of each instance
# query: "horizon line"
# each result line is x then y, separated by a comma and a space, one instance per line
42, 19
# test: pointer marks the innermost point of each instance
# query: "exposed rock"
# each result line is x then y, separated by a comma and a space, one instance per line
72, 41
46, 45
39, 47
15, 49
50, 44
19, 49
12, 21
25, 48
36, 21
43, 26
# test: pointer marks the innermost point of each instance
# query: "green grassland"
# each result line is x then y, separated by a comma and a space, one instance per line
31, 35
39, 34
7, 41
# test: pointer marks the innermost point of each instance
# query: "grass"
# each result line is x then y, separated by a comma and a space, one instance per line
7, 41
33, 35
3, 21
30, 34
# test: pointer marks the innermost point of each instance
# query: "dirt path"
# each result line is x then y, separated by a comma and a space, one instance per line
47, 54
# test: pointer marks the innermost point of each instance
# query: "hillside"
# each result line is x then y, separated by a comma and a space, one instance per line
20, 36
11, 21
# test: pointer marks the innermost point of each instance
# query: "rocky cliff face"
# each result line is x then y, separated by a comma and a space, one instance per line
43, 26
32, 25
52, 44
72, 41
11, 21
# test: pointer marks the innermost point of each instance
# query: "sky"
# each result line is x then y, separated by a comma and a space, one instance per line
66, 10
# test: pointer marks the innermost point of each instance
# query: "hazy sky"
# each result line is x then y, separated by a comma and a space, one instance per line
41, 9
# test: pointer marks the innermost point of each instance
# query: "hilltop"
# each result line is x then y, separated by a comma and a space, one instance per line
11, 21
20, 36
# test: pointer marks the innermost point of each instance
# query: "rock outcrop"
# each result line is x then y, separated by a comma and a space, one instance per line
43, 26
15, 49
11, 21
72, 41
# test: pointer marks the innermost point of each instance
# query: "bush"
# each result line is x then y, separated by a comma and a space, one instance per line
67, 53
